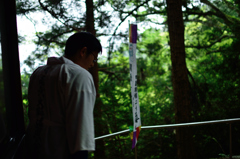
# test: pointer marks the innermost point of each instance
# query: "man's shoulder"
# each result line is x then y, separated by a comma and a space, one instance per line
73, 73
39, 70
76, 70
62, 67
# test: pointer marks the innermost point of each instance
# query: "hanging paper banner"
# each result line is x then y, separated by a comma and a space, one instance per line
133, 81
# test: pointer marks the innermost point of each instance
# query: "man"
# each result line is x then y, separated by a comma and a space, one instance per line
61, 101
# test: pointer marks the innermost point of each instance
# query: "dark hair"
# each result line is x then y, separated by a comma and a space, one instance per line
79, 40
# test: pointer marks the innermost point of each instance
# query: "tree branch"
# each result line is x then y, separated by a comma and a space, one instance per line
130, 13
122, 20
105, 68
219, 13
230, 5
54, 15
106, 71
208, 46
214, 51
146, 14
52, 39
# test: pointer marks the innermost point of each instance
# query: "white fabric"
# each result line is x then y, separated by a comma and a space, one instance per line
61, 102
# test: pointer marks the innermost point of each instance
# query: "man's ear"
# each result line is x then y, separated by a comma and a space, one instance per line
83, 51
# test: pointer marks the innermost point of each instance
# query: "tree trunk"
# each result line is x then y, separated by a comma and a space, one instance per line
11, 69
181, 85
99, 130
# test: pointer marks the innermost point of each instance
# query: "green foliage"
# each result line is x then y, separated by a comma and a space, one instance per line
213, 61
114, 86
155, 97
212, 55
25, 82
26, 6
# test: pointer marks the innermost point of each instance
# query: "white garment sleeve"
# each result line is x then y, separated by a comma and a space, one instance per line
79, 114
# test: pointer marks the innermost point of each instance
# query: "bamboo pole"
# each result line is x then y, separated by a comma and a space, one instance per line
135, 152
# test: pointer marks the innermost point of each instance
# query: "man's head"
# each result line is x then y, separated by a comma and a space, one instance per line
83, 48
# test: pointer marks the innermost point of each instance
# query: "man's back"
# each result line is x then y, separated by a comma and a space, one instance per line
61, 101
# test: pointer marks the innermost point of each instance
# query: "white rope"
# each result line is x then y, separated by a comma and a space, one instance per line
173, 126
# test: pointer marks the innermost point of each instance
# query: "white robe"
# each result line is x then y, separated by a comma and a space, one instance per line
61, 102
